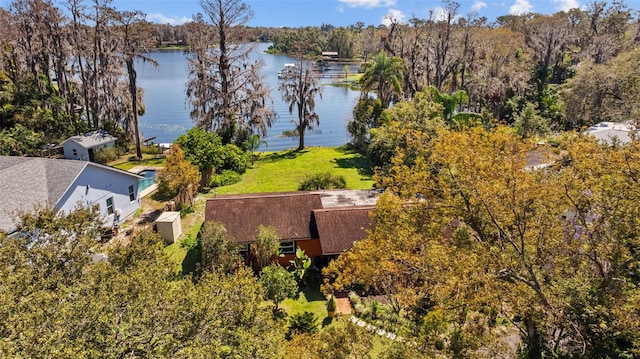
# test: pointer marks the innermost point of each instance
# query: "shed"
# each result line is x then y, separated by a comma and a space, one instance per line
169, 226
84, 147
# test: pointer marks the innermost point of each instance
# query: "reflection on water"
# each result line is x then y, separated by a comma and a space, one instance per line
167, 113
148, 178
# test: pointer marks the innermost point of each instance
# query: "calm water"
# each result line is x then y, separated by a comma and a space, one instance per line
148, 179
167, 113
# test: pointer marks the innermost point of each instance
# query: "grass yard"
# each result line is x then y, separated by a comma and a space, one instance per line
283, 171
124, 163
309, 300
278, 172
272, 172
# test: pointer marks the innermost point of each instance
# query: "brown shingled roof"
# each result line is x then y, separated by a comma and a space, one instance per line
289, 213
339, 227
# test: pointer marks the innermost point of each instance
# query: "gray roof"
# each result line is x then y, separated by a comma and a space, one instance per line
92, 139
28, 182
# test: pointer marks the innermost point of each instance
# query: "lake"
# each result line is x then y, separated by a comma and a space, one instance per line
167, 112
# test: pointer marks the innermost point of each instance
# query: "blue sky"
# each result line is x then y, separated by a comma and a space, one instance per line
295, 13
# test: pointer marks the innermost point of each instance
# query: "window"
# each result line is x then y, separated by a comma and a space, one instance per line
243, 249
288, 247
132, 194
75, 152
110, 205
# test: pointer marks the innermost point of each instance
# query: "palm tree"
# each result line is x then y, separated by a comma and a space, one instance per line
253, 143
385, 76
449, 102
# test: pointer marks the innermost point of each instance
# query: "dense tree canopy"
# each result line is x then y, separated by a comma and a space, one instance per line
56, 303
553, 252
601, 92
225, 88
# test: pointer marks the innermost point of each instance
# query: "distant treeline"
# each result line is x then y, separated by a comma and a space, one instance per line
67, 67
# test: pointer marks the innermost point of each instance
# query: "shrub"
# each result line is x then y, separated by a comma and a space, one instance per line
105, 154
179, 179
331, 304
375, 307
278, 284
324, 180
151, 150
302, 323
217, 252
225, 178
354, 298
235, 159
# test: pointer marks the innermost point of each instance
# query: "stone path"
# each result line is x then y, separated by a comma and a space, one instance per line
372, 328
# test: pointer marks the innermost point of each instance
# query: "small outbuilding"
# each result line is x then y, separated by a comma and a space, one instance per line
169, 226
83, 147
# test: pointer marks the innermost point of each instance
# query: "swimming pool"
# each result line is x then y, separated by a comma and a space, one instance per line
149, 178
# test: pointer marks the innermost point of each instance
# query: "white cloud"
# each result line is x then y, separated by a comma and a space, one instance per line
521, 7
368, 3
478, 5
171, 20
566, 5
392, 15
439, 14
340, 8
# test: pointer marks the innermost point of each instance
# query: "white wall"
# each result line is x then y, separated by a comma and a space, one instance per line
95, 184
81, 152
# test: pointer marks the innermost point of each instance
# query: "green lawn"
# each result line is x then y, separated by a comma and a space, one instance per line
126, 164
277, 172
283, 171
309, 300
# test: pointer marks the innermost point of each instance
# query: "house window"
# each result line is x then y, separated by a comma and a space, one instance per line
132, 194
75, 152
288, 247
110, 205
243, 249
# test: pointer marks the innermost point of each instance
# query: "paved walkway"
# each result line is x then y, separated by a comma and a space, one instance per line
343, 306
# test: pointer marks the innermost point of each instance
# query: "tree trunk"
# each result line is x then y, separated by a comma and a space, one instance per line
533, 343
206, 176
134, 104
301, 134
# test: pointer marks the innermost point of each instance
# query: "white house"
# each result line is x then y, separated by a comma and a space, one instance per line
27, 182
83, 147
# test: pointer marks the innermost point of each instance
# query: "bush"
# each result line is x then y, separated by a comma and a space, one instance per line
105, 154
278, 284
302, 323
235, 159
331, 304
151, 150
324, 180
354, 298
225, 178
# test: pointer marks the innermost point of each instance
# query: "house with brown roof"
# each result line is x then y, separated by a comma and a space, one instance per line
339, 228
299, 218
